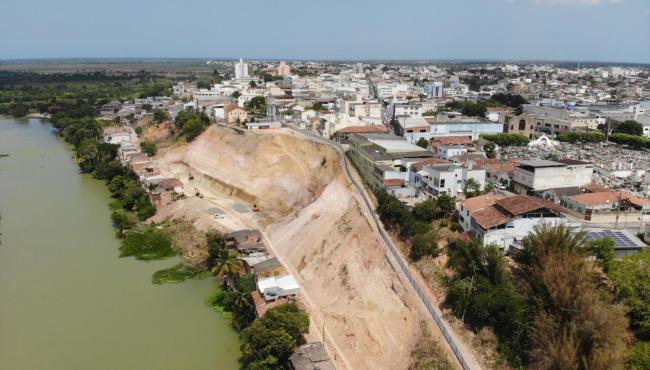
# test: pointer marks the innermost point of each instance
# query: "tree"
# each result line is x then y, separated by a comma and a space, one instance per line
159, 115
425, 245
482, 293
216, 247
490, 149
193, 128
123, 220
426, 210
269, 341
149, 147
252, 84
446, 205
629, 127
506, 139
631, 278
422, 143
235, 94
257, 105
227, 266
639, 356
604, 251
575, 325
471, 188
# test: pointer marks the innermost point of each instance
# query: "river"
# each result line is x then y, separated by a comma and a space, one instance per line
67, 302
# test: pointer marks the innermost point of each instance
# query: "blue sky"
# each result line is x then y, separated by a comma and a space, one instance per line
584, 30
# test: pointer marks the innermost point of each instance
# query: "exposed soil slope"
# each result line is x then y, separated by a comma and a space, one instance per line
312, 219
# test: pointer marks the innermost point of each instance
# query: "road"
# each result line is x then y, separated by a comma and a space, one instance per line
462, 354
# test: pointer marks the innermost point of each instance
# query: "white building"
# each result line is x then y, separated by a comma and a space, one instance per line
449, 151
276, 287
241, 70
536, 175
437, 179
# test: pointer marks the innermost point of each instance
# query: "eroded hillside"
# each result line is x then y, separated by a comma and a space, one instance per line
313, 221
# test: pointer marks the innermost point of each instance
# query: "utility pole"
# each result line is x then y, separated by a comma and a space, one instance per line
618, 208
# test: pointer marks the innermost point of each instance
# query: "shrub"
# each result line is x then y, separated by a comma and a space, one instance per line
505, 139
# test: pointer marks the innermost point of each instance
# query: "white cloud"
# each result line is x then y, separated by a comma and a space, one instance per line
579, 2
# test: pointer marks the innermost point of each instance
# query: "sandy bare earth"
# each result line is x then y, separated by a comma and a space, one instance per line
314, 224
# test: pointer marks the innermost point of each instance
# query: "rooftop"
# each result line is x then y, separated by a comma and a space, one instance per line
397, 146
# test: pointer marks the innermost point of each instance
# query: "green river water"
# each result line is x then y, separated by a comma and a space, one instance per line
67, 302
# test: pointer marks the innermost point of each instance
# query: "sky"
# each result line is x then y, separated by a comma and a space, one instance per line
576, 30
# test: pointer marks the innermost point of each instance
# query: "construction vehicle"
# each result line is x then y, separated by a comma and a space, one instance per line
198, 193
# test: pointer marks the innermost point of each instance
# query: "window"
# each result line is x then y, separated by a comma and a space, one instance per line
522, 125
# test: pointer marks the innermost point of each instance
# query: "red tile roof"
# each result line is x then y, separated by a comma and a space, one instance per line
609, 197
449, 140
520, 204
490, 217
393, 182
492, 165
482, 201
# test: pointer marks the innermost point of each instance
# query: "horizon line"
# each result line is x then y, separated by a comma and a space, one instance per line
369, 60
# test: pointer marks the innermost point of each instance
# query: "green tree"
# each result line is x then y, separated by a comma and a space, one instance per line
482, 293
235, 94
423, 143
193, 128
269, 341
604, 251
575, 325
638, 357
227, 266
426, 210
490, 149
506, 139
216, 247
471, 188
446, 205
122, 221
631, 278
629, 127
160, 115
257, 105
425, 245
149, 147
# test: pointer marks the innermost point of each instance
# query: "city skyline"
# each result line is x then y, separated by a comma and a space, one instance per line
614, 31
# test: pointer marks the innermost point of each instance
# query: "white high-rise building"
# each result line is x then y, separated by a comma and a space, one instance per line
241, 70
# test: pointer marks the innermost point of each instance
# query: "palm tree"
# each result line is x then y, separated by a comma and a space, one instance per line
227, 266
547, 240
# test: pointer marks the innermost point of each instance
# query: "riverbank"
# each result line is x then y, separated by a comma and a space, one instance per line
102, 312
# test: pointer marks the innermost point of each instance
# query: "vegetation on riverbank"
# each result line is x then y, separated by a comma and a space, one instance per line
178, 273
266, 343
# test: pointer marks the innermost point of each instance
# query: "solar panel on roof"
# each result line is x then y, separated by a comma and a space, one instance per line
619, 237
